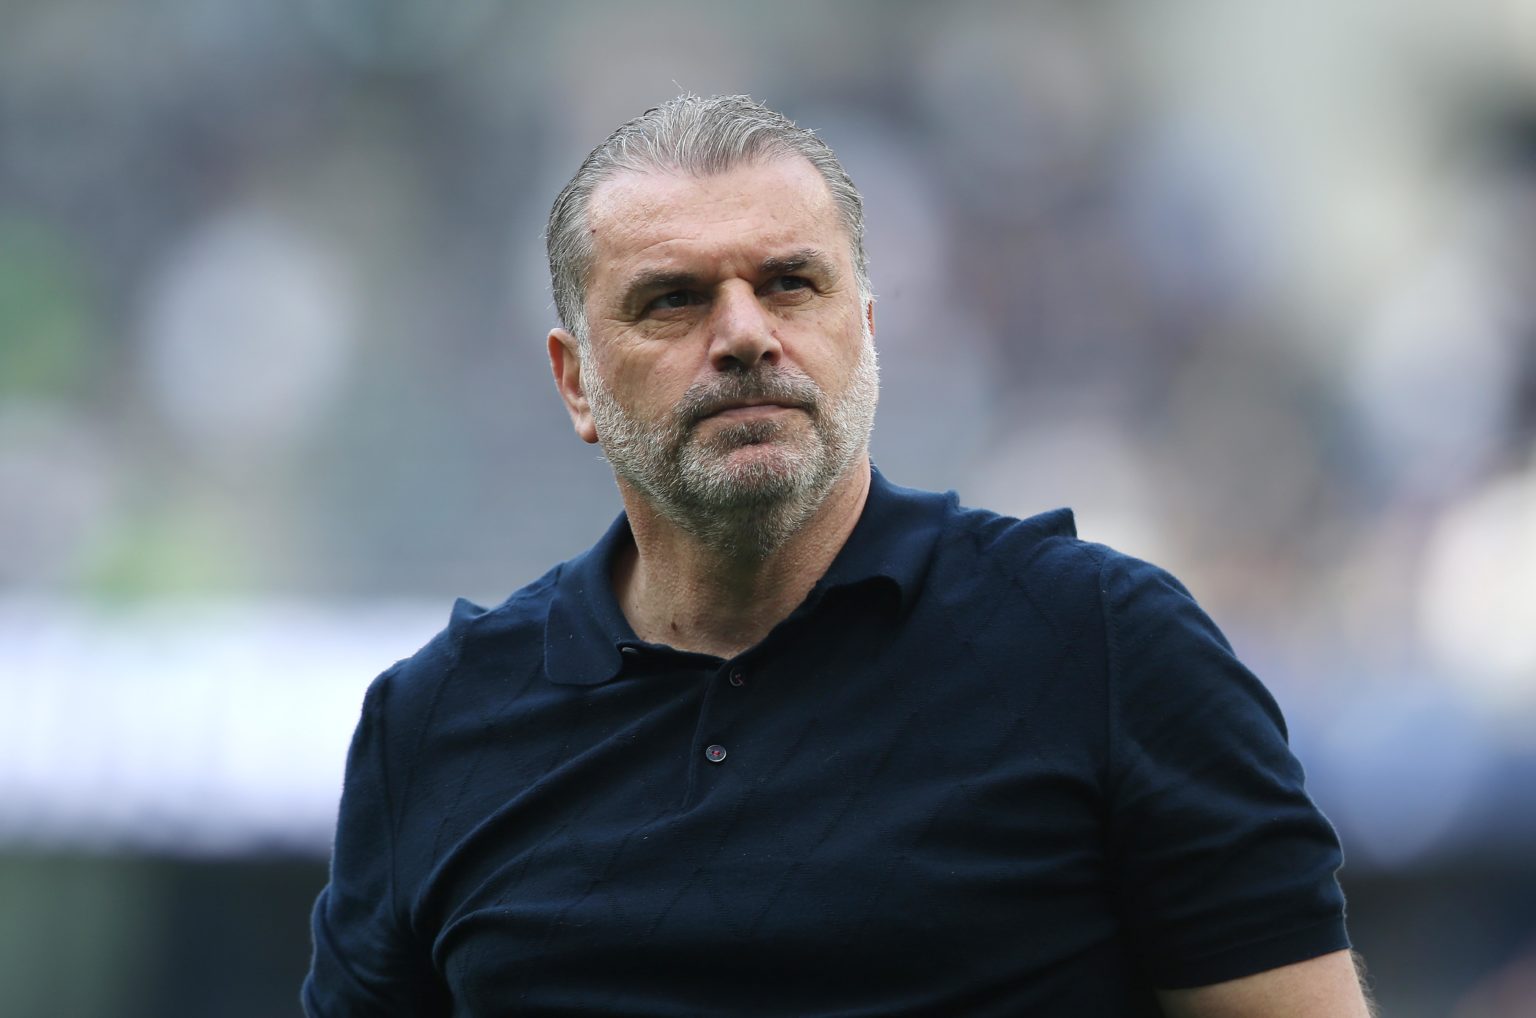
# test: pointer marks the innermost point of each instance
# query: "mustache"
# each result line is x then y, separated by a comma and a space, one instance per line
772, 385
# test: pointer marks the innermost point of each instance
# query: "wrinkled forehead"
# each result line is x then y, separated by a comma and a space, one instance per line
633, 211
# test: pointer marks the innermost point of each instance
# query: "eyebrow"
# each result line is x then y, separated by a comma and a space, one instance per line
650, 281
805, 258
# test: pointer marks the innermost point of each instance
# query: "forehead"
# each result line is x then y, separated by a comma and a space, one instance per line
666, 218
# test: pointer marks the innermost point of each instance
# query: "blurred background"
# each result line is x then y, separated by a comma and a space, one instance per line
1249, 285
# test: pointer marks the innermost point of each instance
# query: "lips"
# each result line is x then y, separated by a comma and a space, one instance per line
749, 406
771, 391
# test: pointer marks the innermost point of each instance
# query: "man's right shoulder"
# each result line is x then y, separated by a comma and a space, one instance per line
477, 642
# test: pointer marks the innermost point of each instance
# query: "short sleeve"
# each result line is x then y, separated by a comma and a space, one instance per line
366, 963
1224, 866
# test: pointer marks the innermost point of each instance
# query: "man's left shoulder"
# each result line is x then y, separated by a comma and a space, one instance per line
1042, 549
1046, 549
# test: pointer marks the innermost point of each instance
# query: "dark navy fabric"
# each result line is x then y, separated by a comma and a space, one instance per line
986, 768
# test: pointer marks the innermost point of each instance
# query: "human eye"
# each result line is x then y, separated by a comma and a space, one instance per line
788, 284
674, 300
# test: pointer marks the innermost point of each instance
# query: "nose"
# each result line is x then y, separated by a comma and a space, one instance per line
742, 330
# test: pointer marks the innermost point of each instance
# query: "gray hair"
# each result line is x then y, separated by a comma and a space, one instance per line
694, 135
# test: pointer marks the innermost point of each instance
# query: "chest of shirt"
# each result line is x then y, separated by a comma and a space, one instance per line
839, 798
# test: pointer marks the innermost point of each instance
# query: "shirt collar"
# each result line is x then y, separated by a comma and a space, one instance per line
586, 636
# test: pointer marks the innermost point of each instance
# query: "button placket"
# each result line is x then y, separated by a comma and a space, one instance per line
724, 706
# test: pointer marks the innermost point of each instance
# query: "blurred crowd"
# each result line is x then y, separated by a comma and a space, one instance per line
1247, 285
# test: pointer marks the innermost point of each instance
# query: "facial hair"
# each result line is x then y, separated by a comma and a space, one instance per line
746, 508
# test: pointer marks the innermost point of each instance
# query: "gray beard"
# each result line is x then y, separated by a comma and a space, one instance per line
746, 510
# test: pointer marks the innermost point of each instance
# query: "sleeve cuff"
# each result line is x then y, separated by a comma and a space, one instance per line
1254, 956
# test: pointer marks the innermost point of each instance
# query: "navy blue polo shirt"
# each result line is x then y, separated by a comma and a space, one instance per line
986, 768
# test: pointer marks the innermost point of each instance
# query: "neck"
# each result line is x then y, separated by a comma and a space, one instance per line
681, 591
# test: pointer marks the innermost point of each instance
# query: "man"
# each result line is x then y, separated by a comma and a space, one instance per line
790, 740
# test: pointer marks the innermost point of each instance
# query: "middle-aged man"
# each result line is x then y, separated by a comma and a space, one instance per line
789, 739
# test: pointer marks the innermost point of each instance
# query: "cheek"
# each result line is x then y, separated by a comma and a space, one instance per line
652, 387
833, 361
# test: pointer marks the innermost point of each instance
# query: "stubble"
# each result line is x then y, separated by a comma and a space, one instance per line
696, 479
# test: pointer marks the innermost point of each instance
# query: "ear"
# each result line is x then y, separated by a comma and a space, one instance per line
869, 316
565, 362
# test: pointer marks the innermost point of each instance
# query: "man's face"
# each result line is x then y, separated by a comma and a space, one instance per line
730, 369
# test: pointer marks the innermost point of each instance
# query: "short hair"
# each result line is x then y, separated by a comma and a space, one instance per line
699, 136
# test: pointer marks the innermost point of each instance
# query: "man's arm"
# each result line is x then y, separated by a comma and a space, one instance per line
365, 962
1324, 987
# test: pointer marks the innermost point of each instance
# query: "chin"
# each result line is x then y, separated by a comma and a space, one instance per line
773, 462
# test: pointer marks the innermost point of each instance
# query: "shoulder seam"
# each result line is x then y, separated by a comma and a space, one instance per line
372, 703
1111, 657
450, 666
